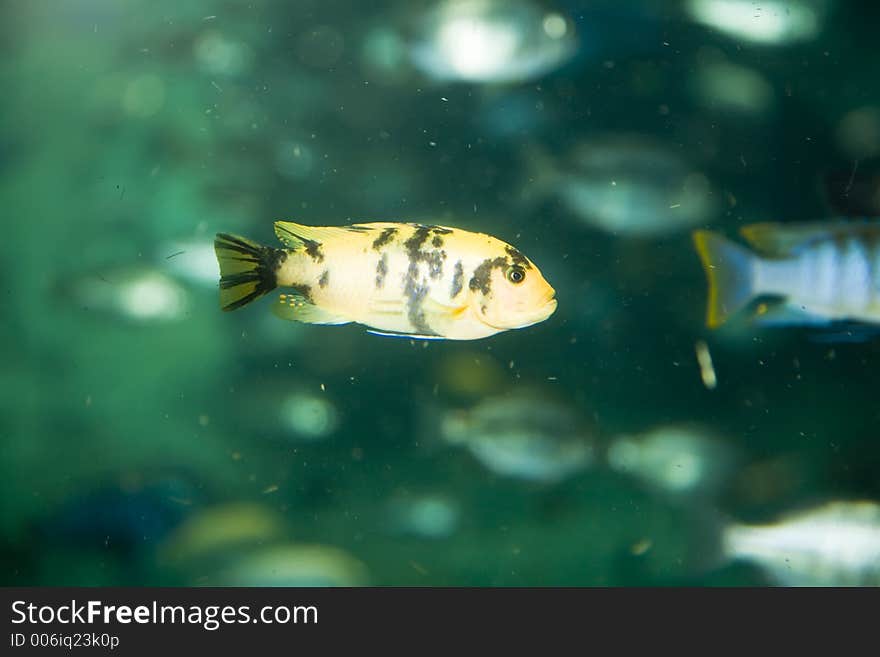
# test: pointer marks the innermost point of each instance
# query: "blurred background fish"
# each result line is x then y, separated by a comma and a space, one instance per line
823, 272
490, 41
687, 461
137, 294
626, 184
835, 544
521, 436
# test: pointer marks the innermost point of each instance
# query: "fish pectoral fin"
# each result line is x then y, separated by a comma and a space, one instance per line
438, 310
295, 308
295, 235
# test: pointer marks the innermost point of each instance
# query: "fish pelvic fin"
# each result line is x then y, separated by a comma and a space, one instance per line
730, 275
247, 270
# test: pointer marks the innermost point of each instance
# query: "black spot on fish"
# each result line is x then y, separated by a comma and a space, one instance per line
381, 270
457, 280
358, 229
439, 230
414, 243
415, 295
313, 249
482, 279
437, 242
415, 286
434, 259
384, 238
325, 278
518, 258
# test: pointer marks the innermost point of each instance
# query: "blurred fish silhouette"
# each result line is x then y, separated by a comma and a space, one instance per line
291, 564
837, 544
521, 436
824, 273
405, 280
689, 461
130, 292
488, 41
628, 185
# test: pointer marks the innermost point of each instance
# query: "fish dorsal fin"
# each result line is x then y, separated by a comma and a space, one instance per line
376, 225
785, 239
295, 235
296, 308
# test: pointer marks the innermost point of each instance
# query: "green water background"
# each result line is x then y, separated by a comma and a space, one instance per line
115, 142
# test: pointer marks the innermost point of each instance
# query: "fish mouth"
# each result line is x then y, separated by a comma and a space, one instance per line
542, 313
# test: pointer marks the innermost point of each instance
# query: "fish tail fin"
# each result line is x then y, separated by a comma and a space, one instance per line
729, 272
247, 270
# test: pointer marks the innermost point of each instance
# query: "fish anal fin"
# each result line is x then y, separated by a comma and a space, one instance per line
295, 308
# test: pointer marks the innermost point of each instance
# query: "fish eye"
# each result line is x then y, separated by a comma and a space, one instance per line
516, 274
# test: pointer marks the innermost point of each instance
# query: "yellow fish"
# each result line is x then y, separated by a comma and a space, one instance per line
408, 280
